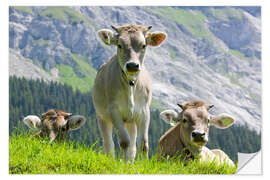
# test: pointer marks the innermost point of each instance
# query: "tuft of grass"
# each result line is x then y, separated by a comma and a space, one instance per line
36, 156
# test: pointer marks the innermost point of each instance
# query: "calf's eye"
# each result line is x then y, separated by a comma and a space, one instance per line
184, 120
144, 46
119, 46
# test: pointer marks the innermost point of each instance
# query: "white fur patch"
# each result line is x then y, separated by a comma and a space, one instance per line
32, 121
136, 108
216, 154
168, 116
131, 100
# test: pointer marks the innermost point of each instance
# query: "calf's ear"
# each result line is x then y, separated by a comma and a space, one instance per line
107, 36
222, 120
155, 38
75, 122
33, 122
169, 116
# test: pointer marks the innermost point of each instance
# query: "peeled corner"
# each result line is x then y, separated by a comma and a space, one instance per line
249, 164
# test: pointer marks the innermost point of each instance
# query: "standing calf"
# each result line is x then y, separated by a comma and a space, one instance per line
122, 90
189, 136
54, 124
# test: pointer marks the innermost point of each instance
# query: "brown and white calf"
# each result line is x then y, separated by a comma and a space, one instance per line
190, 133
54, 124
122, 90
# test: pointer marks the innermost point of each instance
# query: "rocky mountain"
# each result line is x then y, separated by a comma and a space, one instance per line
211, 53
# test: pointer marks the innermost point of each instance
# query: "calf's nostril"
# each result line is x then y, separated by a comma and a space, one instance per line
197, 134
132, 66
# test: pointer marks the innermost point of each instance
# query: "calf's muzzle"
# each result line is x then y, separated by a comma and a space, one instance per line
198, 137
132, 67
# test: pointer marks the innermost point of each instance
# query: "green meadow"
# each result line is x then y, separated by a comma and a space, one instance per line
37, 156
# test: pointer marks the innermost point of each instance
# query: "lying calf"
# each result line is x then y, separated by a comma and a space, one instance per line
190, 133
54, 124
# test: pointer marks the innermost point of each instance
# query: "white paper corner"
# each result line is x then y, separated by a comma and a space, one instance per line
249, 164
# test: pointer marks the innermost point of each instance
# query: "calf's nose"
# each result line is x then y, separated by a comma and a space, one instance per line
197, 134
132, 67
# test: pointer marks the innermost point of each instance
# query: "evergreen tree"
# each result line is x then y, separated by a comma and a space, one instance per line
36, 96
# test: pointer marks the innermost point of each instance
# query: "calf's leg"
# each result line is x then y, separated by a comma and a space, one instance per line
142, 128
132, 130
105, 128
123, 136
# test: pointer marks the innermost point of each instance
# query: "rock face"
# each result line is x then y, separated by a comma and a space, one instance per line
211, 53
22, 67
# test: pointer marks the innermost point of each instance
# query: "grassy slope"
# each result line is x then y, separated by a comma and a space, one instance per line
156, 105
67, 73
227, 13
34, 156
23, 8
65, 13
193, 20
69, 77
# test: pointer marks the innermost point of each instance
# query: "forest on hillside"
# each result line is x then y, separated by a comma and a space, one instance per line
36, 96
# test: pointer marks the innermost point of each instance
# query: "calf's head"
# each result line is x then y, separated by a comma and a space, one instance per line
194, 122
131, 42
54, 123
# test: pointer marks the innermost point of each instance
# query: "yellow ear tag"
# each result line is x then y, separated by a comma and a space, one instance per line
172, 123
107, 40
227, 121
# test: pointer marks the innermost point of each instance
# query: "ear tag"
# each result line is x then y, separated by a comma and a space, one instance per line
108, 40
227, 121
172, 123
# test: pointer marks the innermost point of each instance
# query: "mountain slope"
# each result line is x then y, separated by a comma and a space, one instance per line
211, 53
22, 67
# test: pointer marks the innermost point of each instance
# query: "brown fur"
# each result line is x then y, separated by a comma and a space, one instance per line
190, 134
170, 143
131, 28
53, 113
192, 104
55, 124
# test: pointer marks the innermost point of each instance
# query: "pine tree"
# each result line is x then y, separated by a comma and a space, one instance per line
36, 96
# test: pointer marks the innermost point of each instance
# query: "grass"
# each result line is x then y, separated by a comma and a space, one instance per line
193, 20
36, 156
228, 13
155, 104
172, 54
69, 76
255, 96
233, 79
23, 8
66, 14
42, 42
239, 54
